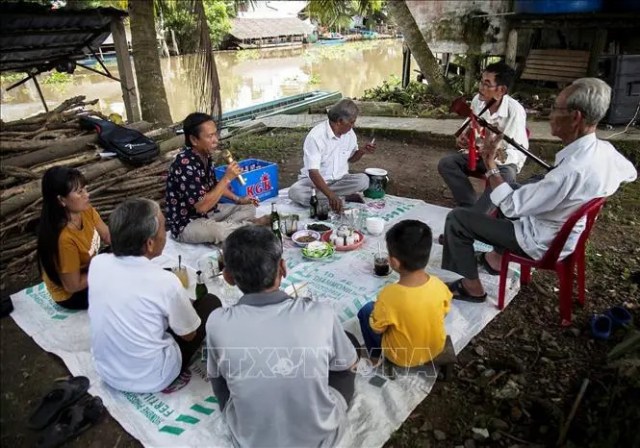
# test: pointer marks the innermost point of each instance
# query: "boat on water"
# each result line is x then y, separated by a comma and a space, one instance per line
331, 39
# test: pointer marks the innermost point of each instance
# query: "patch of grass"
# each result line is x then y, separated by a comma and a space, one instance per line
272, 146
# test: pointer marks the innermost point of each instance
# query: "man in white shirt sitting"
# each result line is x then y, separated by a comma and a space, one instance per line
587, 168
144, 329
328, 149
509, 116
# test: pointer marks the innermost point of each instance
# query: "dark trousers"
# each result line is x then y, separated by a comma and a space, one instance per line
372, 340
455, 172
343, 381
78, 301
462, 227
203, 306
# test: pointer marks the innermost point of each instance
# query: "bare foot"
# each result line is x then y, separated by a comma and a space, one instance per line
494, 259
262, 221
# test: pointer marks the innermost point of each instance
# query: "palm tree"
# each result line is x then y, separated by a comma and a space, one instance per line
153, 97
416, 42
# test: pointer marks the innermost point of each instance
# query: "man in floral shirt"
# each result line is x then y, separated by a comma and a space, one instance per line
193, 212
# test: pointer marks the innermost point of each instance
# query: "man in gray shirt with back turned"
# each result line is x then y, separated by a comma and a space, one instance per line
281, 368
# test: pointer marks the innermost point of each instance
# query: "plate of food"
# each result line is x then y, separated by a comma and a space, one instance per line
303, 237
320, 227
318, 250
344, 238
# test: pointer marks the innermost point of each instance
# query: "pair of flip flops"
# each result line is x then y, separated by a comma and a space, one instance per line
65, 412
460, 293
602, 325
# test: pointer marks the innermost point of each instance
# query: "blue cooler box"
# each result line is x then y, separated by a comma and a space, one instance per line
261, 179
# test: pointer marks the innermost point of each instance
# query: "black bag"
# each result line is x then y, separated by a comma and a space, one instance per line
131, 146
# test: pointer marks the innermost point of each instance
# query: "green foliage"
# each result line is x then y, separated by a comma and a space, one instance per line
217, 12
55, 77
182, 21
335, 13
416, 98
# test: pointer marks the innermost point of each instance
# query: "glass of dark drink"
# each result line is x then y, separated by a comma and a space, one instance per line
323, 211
220, 262
381, 265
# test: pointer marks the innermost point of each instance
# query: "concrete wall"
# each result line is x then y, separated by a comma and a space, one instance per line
443, 22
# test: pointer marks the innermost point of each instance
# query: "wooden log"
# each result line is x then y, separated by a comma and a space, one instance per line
62, 148
32, 189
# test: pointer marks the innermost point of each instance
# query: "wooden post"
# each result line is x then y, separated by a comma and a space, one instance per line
125, 71
599, 42
512, 48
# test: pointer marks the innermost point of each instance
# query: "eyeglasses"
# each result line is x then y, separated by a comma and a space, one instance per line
486, 85
554, 107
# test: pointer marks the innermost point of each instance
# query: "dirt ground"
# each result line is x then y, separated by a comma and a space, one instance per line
516, 382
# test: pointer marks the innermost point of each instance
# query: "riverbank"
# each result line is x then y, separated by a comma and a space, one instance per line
516, 382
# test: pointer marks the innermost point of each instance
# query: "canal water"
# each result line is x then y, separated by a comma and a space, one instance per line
247, 77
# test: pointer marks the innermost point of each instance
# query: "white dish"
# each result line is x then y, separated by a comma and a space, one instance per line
304, 233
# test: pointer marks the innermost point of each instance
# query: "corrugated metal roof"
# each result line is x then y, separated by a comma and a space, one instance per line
37, 36
265, 28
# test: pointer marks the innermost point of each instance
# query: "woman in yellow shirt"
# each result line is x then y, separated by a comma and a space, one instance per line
69, 235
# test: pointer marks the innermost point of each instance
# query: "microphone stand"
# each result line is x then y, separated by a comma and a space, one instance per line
482, 122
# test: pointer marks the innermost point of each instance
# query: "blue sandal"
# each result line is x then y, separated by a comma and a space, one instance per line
460, 293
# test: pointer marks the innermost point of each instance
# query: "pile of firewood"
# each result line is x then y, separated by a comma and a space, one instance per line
29, 147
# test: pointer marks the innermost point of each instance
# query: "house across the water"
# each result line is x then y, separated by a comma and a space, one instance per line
267, 32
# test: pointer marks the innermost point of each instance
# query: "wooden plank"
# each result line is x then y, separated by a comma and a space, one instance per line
553, 68
548, 78
554, 73
125, 71
559, 58
563, 53
574, 62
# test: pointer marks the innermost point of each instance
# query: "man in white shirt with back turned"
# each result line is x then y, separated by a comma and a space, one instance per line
587, 168
144, 329
328, 149
510, 117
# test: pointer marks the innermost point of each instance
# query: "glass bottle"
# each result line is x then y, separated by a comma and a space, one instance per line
313, 204
275, 222
201, 288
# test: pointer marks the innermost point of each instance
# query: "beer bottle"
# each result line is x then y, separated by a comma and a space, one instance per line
275, 222
201, 288
313, 204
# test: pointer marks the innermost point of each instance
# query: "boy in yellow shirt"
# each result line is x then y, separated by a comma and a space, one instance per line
407, 320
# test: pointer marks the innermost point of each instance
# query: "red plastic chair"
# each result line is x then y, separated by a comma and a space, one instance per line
565, 268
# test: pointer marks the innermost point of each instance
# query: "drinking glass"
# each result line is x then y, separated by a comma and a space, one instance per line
381, 266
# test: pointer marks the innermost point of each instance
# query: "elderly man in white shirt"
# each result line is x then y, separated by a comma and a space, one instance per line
144, 329
328, 149
509, 116
587, 168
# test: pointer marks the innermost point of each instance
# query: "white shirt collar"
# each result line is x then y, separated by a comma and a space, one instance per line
503, 110
330, 133
574, 146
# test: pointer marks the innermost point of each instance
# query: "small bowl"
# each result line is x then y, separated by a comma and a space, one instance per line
375, 226
320, 223
304, 233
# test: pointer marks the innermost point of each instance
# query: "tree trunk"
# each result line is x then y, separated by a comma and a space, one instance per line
427, 62
153, 98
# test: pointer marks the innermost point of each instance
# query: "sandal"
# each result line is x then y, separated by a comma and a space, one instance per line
460, 293
481, 259
72, 421
65, 392
181, 381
